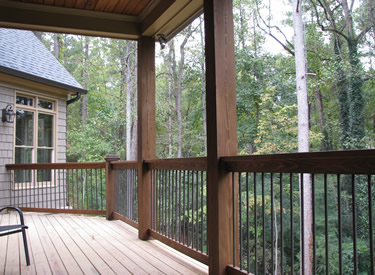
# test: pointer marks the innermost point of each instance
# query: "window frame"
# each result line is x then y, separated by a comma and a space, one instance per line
36, 110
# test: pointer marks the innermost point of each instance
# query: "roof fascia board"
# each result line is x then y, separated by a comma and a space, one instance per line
56, 19
40, 80
174, 19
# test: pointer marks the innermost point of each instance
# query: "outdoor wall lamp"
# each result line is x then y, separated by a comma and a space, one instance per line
8, 114
162, 40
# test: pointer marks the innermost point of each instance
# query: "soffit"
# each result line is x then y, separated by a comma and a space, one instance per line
124, 19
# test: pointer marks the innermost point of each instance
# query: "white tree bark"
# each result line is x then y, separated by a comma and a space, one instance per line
303, 132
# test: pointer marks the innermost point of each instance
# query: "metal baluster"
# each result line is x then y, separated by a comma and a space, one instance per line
281, 226
354, 216
339, 221
234, 220
247, 222
240, 217
197, 214
314, 221
272, 225
291, 222
192, 209
263, 226
202, 229
302, 224
326, 219
255, 224
371, 232
184, 207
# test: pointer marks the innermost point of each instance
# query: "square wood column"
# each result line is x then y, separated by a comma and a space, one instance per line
146, 130
221, 129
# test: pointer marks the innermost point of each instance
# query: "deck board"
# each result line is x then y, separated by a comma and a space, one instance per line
77, 244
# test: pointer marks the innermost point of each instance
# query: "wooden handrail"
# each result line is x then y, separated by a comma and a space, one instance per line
335, 162
124, 164
195, 164
45, 166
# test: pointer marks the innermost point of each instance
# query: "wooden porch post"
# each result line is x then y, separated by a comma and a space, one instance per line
221, 129
146, 130
110, 184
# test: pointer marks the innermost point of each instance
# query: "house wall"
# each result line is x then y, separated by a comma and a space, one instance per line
7, 193
6, 146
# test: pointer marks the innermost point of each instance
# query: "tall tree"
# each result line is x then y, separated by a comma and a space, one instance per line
303, 134
338, 18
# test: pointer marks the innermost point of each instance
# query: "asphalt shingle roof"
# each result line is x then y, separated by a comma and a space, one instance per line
22, 51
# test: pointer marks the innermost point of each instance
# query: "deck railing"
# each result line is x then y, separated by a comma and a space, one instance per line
61, 187
179, 203
126, 191
269, 208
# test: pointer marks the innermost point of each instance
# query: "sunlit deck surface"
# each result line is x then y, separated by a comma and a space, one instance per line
77, 244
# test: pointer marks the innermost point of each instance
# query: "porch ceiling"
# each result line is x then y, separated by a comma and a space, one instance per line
125, 19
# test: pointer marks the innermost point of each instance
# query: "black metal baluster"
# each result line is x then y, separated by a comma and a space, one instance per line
371, 232
202, 223
302, 224
101, 190
188, 208
192, 209
92, 197
85, 191
240, 219
184, 208
291, 223
314, 222
164, 172
281, 226
272, 225
96, 188
179, 205
326, 219
197, 214
174, 207
247, 222
152, 198
234, 220
354, 216
263, 228
255, 225
339, 221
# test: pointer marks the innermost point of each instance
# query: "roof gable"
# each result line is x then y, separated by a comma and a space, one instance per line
24, 55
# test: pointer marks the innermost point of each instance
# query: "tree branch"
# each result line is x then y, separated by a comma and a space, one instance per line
288, 49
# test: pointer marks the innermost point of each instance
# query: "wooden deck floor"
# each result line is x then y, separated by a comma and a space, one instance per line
75, 244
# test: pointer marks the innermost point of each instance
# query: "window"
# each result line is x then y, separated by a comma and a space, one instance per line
34, 136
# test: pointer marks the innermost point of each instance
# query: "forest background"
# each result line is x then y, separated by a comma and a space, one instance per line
340, 64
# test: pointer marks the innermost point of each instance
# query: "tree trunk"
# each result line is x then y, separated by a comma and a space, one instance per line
303, 135
56, 46
325, 144
203, 76
129, 95
85, 77
179, 91
171, 88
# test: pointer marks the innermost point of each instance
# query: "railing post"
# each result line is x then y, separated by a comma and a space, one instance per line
146, 130
221, 130
110, 185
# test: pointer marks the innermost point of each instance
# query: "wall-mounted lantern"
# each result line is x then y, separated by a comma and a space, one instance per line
8, 114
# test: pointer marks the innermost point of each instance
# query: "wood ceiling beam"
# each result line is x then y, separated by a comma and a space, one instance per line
55, 19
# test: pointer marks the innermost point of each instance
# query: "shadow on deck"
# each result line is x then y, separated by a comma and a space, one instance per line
77, 244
